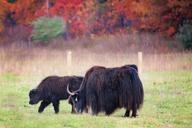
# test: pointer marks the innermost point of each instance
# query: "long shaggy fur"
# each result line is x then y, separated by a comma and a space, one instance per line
106, 89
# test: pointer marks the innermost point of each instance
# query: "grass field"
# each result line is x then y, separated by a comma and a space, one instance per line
168, 104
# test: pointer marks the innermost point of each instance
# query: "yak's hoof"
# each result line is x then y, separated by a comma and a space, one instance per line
40, 111
56, 112
134, 116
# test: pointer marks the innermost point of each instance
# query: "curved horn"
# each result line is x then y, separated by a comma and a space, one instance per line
71, 93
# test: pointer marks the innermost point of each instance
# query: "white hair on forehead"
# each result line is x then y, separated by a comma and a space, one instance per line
76, 99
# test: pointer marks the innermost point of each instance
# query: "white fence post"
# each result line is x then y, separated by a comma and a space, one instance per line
69, 62
140, 62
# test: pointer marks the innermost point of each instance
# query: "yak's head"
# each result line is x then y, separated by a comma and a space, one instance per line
34, 96
77, 100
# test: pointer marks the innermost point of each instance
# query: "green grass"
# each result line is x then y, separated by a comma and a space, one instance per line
168, 104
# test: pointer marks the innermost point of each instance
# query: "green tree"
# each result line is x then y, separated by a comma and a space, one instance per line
47, 28
185, 35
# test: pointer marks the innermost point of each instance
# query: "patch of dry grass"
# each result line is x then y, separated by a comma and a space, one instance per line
47, 61
38, 63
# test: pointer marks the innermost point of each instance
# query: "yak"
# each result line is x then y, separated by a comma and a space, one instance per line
106, 89
52, 89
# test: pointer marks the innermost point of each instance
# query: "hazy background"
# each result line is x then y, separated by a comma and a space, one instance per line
36, 37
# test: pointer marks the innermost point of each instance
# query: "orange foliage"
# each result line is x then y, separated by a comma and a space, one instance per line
108, 16
19, 11
4, 6
75, 12
25, 10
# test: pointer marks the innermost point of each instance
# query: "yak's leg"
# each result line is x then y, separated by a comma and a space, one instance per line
56, 106
43, 105
134, 111
86, 110
93, 105
73, 110
93, 110
127, 113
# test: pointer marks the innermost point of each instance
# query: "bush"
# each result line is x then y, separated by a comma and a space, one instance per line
185, 35
47, 28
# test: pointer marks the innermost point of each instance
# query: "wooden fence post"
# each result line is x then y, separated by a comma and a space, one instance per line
69, 62
140, 62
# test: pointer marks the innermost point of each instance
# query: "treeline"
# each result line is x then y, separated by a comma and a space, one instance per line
169, 18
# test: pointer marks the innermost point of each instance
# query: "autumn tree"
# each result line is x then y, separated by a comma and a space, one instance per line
14, 12
24, 10
84, 17
76, 13
174, 14
5, 14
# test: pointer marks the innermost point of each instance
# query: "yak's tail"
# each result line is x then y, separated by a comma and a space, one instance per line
138, 92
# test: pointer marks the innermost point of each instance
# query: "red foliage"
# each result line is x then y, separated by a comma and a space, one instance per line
91, 16
18, 12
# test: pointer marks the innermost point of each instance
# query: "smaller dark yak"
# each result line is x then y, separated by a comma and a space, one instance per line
106, 89
53, 89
